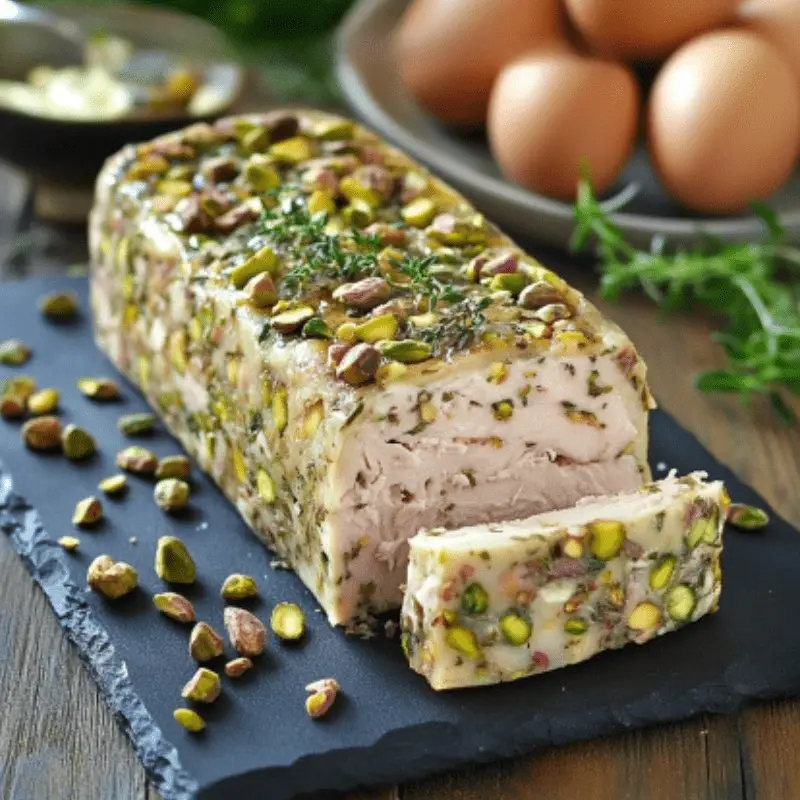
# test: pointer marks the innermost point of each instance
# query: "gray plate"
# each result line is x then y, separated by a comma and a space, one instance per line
372, 86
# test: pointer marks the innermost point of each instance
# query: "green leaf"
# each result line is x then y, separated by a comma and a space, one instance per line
726, 382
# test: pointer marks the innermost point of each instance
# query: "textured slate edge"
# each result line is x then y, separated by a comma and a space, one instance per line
46, 562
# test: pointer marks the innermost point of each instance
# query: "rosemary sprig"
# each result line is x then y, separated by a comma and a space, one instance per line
753, 287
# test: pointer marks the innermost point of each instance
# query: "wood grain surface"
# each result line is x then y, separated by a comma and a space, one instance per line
58, 741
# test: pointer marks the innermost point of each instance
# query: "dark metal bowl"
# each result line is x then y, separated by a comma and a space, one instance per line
66, 152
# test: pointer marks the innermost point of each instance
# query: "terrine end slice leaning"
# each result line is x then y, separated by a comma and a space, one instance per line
350, 349
495, 603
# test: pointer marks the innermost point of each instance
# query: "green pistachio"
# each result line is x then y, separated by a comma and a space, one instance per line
503, 410
246, 631
359, 364
87, 511
137, 460
463, 641
69, 543
111, 578
12, 407
316, 328
171, 494
264, 260
238, 666
322, 697
680, 602
513, 282
606, 538
748, 518
43, 402
516, 630
98, 388
661, 572
261, 291
419, 213
13, 352
377, 328
21, 386
114, 484
59, 306
238, 587
292, 151
260, 175
576, 626
136, 424
288, 622
203, 687
291, 320
358, 214
175, 606
42, 433
475, 599
77, 443
333, 129
174, 467
205, 643
406, 351
265, 486
173, 562
189, 719
320, 202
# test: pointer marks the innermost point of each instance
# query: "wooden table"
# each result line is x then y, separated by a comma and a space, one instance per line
58, 741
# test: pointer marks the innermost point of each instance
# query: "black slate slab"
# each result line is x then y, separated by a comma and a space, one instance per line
388, 725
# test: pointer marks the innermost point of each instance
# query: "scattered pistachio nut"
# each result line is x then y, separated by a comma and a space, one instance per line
138, 460
12, 406
238, 587
203, 687
747, 518
114, 484
316, 328
111, 578
292, 320
59, 306
173, 563
322, 697
87, 511
175, 606
406, 351
359, 365
42, 433
377, 329
189, 719
77, 443
69, 543
246, 632
43, 402
238, 666
22, 386
14, 353
364, 294
173, 467
171, 494
205, 643
288, 622
261, 291
98, 388
136, 424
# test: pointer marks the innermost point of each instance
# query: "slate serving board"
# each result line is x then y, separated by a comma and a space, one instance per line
387, 725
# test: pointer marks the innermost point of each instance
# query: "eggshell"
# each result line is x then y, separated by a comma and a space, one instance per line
645, 29
550, 113
724, 121
449, 52
777, 21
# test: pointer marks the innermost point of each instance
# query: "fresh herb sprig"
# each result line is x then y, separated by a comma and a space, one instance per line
753, 287
425, 283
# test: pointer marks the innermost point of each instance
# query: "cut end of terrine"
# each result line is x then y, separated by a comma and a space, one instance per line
493, 603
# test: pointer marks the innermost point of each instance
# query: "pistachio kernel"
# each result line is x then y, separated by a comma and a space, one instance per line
203, 687
364, 294
680, 602
377, 329
644, 617
21, 386
59, 306
175, 606
503, 410
246, 632
238, 666
205, 643
261, 291
171, 494
265, 260
69, 543
87, 511
516, 629
114, 484
13, 352
463, 641
292, 320
606, 538
138, 460
136, 424
359, 365
12, 406
475, 600
113, 579
316, 328
98, 388
288, 622
42, 433
173, 562
322, 697
661, 572
747, 518
406, 351
238, 587
266, 486
189, 719
576, 626
77, 443
43, 402
419, 213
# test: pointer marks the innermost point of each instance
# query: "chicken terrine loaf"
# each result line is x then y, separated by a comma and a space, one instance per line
350, 349
497, 602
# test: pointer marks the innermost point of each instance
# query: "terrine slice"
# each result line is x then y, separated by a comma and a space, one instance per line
350, 349
493, 603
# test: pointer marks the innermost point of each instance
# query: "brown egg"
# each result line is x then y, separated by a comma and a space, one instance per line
449, 52
777, 21
645, 29
724, 121
551, 112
